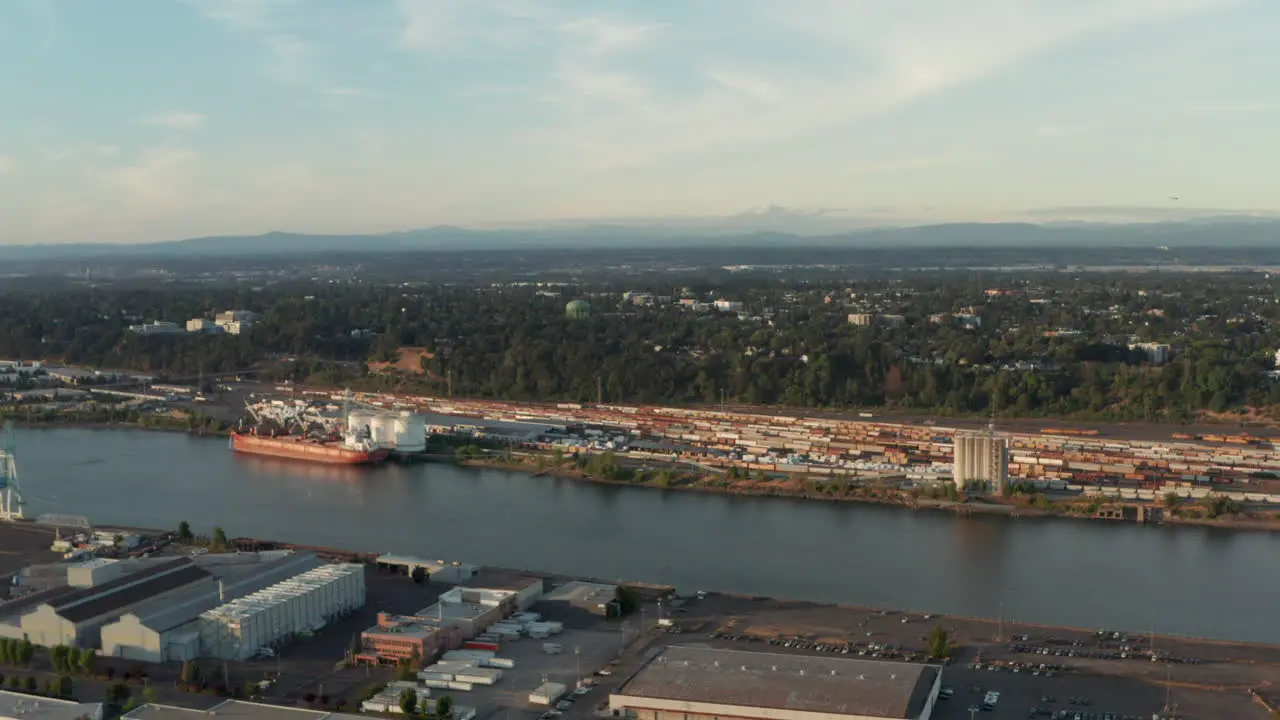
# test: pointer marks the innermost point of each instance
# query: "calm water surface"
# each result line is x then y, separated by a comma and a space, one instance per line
1189, 581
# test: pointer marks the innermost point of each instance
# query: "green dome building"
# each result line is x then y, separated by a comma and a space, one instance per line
577, 309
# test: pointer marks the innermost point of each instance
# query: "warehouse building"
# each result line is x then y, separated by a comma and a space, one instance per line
239, 629
165, 629
20, 706
578, 601
703, 683
233, 710
75, 616
436, 570
528, 589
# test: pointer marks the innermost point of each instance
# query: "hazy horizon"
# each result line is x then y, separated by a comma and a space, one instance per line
167, 119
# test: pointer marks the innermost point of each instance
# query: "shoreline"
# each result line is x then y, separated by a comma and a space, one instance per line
890, 500
656, 589
115, 425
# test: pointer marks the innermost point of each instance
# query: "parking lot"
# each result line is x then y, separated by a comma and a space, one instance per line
510, 695
1092, 697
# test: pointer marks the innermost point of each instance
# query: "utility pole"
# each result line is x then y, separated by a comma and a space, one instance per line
577, 664
449, 385
1000, 623
722, 394
599, 389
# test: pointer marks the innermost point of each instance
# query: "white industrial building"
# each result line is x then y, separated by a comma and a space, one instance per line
239, 629
20, 706
705, 683
166, 629
75, 615
233, 710
983, 458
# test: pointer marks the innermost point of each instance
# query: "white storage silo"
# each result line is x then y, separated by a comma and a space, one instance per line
411, 433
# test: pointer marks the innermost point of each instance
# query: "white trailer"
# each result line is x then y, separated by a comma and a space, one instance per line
547, 694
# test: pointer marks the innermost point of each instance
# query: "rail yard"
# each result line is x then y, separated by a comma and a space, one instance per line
1242, 468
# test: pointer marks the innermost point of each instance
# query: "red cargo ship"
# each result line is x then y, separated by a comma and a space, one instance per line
333, 452
297, 431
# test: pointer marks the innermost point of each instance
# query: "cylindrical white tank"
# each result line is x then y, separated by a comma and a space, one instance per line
411, 433
360, 419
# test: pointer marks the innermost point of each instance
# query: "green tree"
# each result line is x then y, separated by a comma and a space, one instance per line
409, 702
190, 673
444, 707
419, 574
148, 696
86, 661
65, 686
220, 541
29, 684
184, 533
118, 693
939, 643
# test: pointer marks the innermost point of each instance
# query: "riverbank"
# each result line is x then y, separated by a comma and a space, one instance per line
1035, 505
118, 425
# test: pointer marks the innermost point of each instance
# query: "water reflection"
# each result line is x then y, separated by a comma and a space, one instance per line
1088, 574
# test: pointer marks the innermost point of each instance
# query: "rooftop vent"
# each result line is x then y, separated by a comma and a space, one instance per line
774, 668
862, 677
744, 668
802, 672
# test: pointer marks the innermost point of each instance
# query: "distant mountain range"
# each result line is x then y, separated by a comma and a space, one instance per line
771, 227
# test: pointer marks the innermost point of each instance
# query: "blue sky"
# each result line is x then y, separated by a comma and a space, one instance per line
157, 119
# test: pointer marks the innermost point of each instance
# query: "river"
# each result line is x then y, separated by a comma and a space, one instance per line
1202, 582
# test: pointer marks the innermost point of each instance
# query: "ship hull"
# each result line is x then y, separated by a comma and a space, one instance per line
292, 448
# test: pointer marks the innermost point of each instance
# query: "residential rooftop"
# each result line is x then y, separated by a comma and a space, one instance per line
797, 683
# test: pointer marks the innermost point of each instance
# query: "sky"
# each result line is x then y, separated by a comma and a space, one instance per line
150, 120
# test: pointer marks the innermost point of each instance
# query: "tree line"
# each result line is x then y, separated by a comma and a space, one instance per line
792, 345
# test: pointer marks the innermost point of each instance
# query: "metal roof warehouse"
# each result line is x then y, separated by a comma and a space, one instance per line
706, 682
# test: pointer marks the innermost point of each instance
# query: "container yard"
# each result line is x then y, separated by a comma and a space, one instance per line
1081, 461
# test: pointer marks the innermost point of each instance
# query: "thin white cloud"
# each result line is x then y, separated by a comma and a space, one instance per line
154, 183
289, 57
241, 14
1237, 108
89, 153
439, 24
881, 56
605, 37
177, 120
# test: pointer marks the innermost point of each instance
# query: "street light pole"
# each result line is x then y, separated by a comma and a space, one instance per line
577, 664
